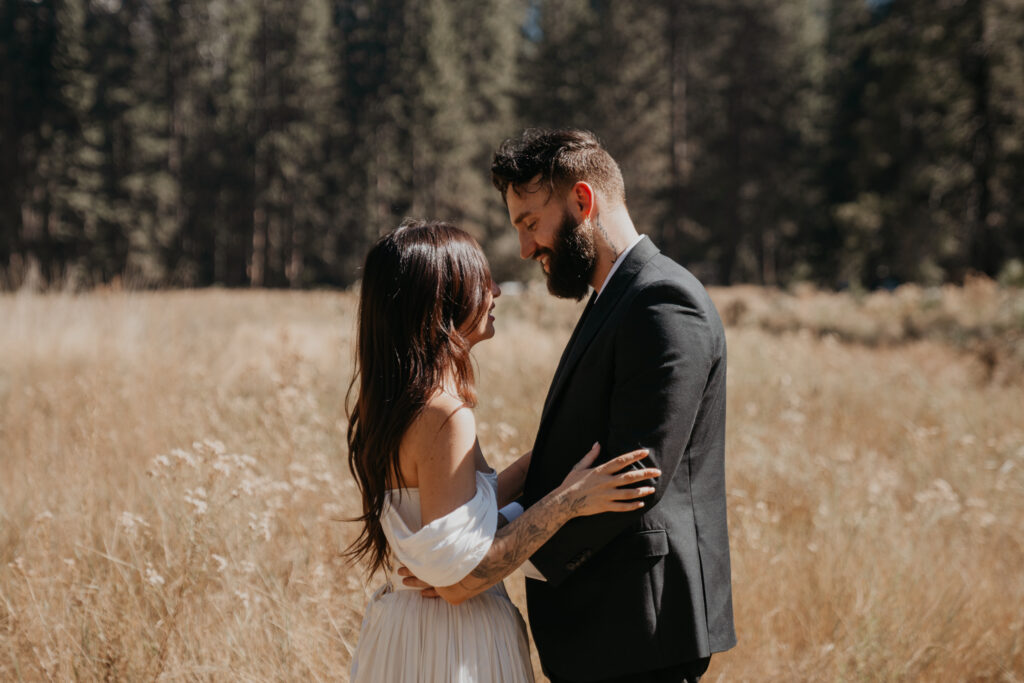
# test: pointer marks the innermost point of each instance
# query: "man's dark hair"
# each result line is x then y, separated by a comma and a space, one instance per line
561, 158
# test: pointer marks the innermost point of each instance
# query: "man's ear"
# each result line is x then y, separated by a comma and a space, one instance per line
583, 197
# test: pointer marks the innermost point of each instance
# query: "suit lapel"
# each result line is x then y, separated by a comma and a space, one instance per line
595, 316
568, 346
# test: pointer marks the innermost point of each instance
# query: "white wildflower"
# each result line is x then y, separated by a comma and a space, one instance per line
199, 504
132, 523
506, 431
304, 484
939, 497
223, 464
252, 485
333, 509
44, 516
261, 525
152, 577
215, 446
186, 457
278, 487
221, 562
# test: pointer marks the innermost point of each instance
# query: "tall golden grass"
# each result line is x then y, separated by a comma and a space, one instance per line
172, 472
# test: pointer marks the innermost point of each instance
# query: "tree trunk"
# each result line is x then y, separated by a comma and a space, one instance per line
984, 252
678, 151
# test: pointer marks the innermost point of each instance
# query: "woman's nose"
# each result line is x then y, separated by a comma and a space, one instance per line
495, 289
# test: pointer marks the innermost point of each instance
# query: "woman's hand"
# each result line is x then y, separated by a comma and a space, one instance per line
585, 491
589, 491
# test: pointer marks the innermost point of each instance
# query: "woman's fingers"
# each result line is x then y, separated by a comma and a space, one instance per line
409, 579
589, 458
617, 463
637, 475
624, 507
629, 494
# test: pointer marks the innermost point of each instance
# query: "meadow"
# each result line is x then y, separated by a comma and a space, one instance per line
173, 482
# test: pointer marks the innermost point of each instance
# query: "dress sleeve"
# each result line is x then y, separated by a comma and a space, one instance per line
450, 547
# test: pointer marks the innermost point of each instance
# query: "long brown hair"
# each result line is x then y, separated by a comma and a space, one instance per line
422, 284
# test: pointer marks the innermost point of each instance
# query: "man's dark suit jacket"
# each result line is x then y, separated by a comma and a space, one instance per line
637, 591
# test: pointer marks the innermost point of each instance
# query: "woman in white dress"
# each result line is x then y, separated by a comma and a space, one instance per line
430, 501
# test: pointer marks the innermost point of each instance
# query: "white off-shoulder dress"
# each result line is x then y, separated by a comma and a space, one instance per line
406, 638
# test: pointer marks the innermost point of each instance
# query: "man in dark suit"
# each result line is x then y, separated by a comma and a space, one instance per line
646, 595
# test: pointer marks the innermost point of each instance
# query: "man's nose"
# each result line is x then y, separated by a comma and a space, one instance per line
527, 247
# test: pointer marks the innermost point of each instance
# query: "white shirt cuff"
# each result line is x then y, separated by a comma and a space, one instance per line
511, 512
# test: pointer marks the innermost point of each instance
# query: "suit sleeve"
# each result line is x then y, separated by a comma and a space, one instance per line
664, 352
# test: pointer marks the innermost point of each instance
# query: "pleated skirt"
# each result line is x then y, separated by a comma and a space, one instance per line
406, 638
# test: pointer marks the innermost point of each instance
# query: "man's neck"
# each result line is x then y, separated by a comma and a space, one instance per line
618, 263
613, 233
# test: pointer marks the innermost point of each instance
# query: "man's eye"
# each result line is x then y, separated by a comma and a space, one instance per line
531, 227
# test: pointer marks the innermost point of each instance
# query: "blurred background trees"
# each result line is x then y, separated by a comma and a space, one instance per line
268, 142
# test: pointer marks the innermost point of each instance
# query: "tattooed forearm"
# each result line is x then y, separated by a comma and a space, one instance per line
514, 543
510, 542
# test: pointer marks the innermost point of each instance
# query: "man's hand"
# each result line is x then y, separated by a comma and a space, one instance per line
409, 579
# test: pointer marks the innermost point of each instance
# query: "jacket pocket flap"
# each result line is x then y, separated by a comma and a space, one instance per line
653, 543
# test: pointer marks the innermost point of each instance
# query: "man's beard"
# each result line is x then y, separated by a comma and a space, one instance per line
572, 260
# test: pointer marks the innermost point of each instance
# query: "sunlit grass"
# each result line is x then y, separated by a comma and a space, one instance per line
172, 475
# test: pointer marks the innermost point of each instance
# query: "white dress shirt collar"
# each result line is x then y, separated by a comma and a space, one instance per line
618, 262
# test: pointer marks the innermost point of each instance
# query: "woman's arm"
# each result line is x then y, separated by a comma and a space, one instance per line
512, 478
444, 442
584, 492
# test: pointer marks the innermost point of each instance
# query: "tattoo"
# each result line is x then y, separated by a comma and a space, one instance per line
615, 250
517, 541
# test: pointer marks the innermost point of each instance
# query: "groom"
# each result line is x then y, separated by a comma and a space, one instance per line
642, 596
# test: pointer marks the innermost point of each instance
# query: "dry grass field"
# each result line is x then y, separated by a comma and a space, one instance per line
172, 479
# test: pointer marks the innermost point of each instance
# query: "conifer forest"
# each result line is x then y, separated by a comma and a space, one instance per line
266, 143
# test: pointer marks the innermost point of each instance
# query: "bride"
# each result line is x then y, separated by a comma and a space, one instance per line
430, 501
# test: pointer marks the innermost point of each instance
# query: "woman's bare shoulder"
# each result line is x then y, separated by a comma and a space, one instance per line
442, 435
